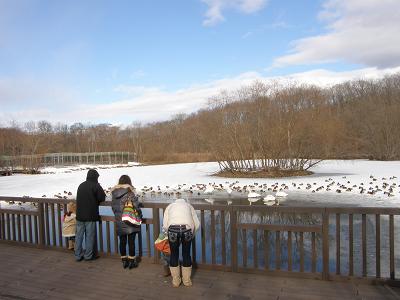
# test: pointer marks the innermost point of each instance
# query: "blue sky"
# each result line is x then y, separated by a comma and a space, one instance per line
141, 61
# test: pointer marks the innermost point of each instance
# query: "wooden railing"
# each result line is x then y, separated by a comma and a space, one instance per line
315, 242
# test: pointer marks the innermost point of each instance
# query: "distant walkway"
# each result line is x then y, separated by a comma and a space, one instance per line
30, 273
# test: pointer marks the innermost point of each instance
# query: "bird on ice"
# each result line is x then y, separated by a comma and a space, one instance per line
209, 189
269, 200
209, 200
281, 194
253, 197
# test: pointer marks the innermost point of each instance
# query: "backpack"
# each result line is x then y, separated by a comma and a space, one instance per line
131, 215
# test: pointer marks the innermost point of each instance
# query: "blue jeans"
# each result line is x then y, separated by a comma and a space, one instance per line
179, 235
85, 230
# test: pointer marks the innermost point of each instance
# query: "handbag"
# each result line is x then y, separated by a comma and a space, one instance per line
162, 244
131, 215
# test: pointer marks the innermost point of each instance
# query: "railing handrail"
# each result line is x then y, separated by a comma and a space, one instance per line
239, 207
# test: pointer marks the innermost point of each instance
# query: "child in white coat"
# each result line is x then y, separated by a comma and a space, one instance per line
69, 225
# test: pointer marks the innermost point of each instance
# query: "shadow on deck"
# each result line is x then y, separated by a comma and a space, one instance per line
31, 273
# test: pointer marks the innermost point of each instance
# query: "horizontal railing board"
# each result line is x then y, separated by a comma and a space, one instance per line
283, 227
19, 212
248, 208
112, 219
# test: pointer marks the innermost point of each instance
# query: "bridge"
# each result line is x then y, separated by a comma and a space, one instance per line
240, 252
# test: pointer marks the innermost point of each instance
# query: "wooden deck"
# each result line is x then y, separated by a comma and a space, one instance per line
32, 273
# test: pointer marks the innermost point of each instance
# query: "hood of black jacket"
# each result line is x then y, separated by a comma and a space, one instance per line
92, 175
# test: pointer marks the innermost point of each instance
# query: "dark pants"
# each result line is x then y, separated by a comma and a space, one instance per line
131, 244
177, 235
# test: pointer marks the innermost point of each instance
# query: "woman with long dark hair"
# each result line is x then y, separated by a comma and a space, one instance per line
122, 193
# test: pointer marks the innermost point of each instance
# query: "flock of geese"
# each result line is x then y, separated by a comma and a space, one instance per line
269, 193
274, 193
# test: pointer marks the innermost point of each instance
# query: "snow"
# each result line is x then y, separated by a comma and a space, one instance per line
333, 182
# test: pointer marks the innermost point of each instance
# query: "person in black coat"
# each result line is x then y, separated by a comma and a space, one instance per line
88, 197
122, 193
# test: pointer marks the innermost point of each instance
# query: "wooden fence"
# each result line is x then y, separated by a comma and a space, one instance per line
35, 161
330, 243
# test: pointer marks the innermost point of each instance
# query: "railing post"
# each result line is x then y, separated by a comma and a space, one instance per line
156, 231
41, 224
233, 221
325, 245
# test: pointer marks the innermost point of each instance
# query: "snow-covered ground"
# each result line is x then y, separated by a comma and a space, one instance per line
357, 182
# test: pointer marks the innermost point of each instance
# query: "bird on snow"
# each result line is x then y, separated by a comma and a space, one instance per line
281, 194
209, 189
269, 200
209, 200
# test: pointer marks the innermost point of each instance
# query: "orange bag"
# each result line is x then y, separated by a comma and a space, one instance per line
162, 244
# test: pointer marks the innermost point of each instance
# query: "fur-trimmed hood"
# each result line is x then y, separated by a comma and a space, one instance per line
123, 186
121, 189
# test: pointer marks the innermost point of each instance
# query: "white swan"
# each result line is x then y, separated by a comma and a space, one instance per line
209, 189
281, 194
269, 198
253, 195
209, 200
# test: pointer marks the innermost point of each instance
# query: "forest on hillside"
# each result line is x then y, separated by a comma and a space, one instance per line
265, 123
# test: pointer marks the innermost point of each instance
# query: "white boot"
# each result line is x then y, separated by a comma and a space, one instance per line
186, 273
176, 276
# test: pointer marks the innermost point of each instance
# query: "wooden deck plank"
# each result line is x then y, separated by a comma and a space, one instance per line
32, 273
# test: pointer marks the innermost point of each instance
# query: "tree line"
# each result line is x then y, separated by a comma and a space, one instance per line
274, 125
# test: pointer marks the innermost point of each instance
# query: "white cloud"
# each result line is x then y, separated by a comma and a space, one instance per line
215, 8
148, 104
364, 32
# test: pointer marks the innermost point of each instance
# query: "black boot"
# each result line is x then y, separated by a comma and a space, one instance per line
125, 262
132, 262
